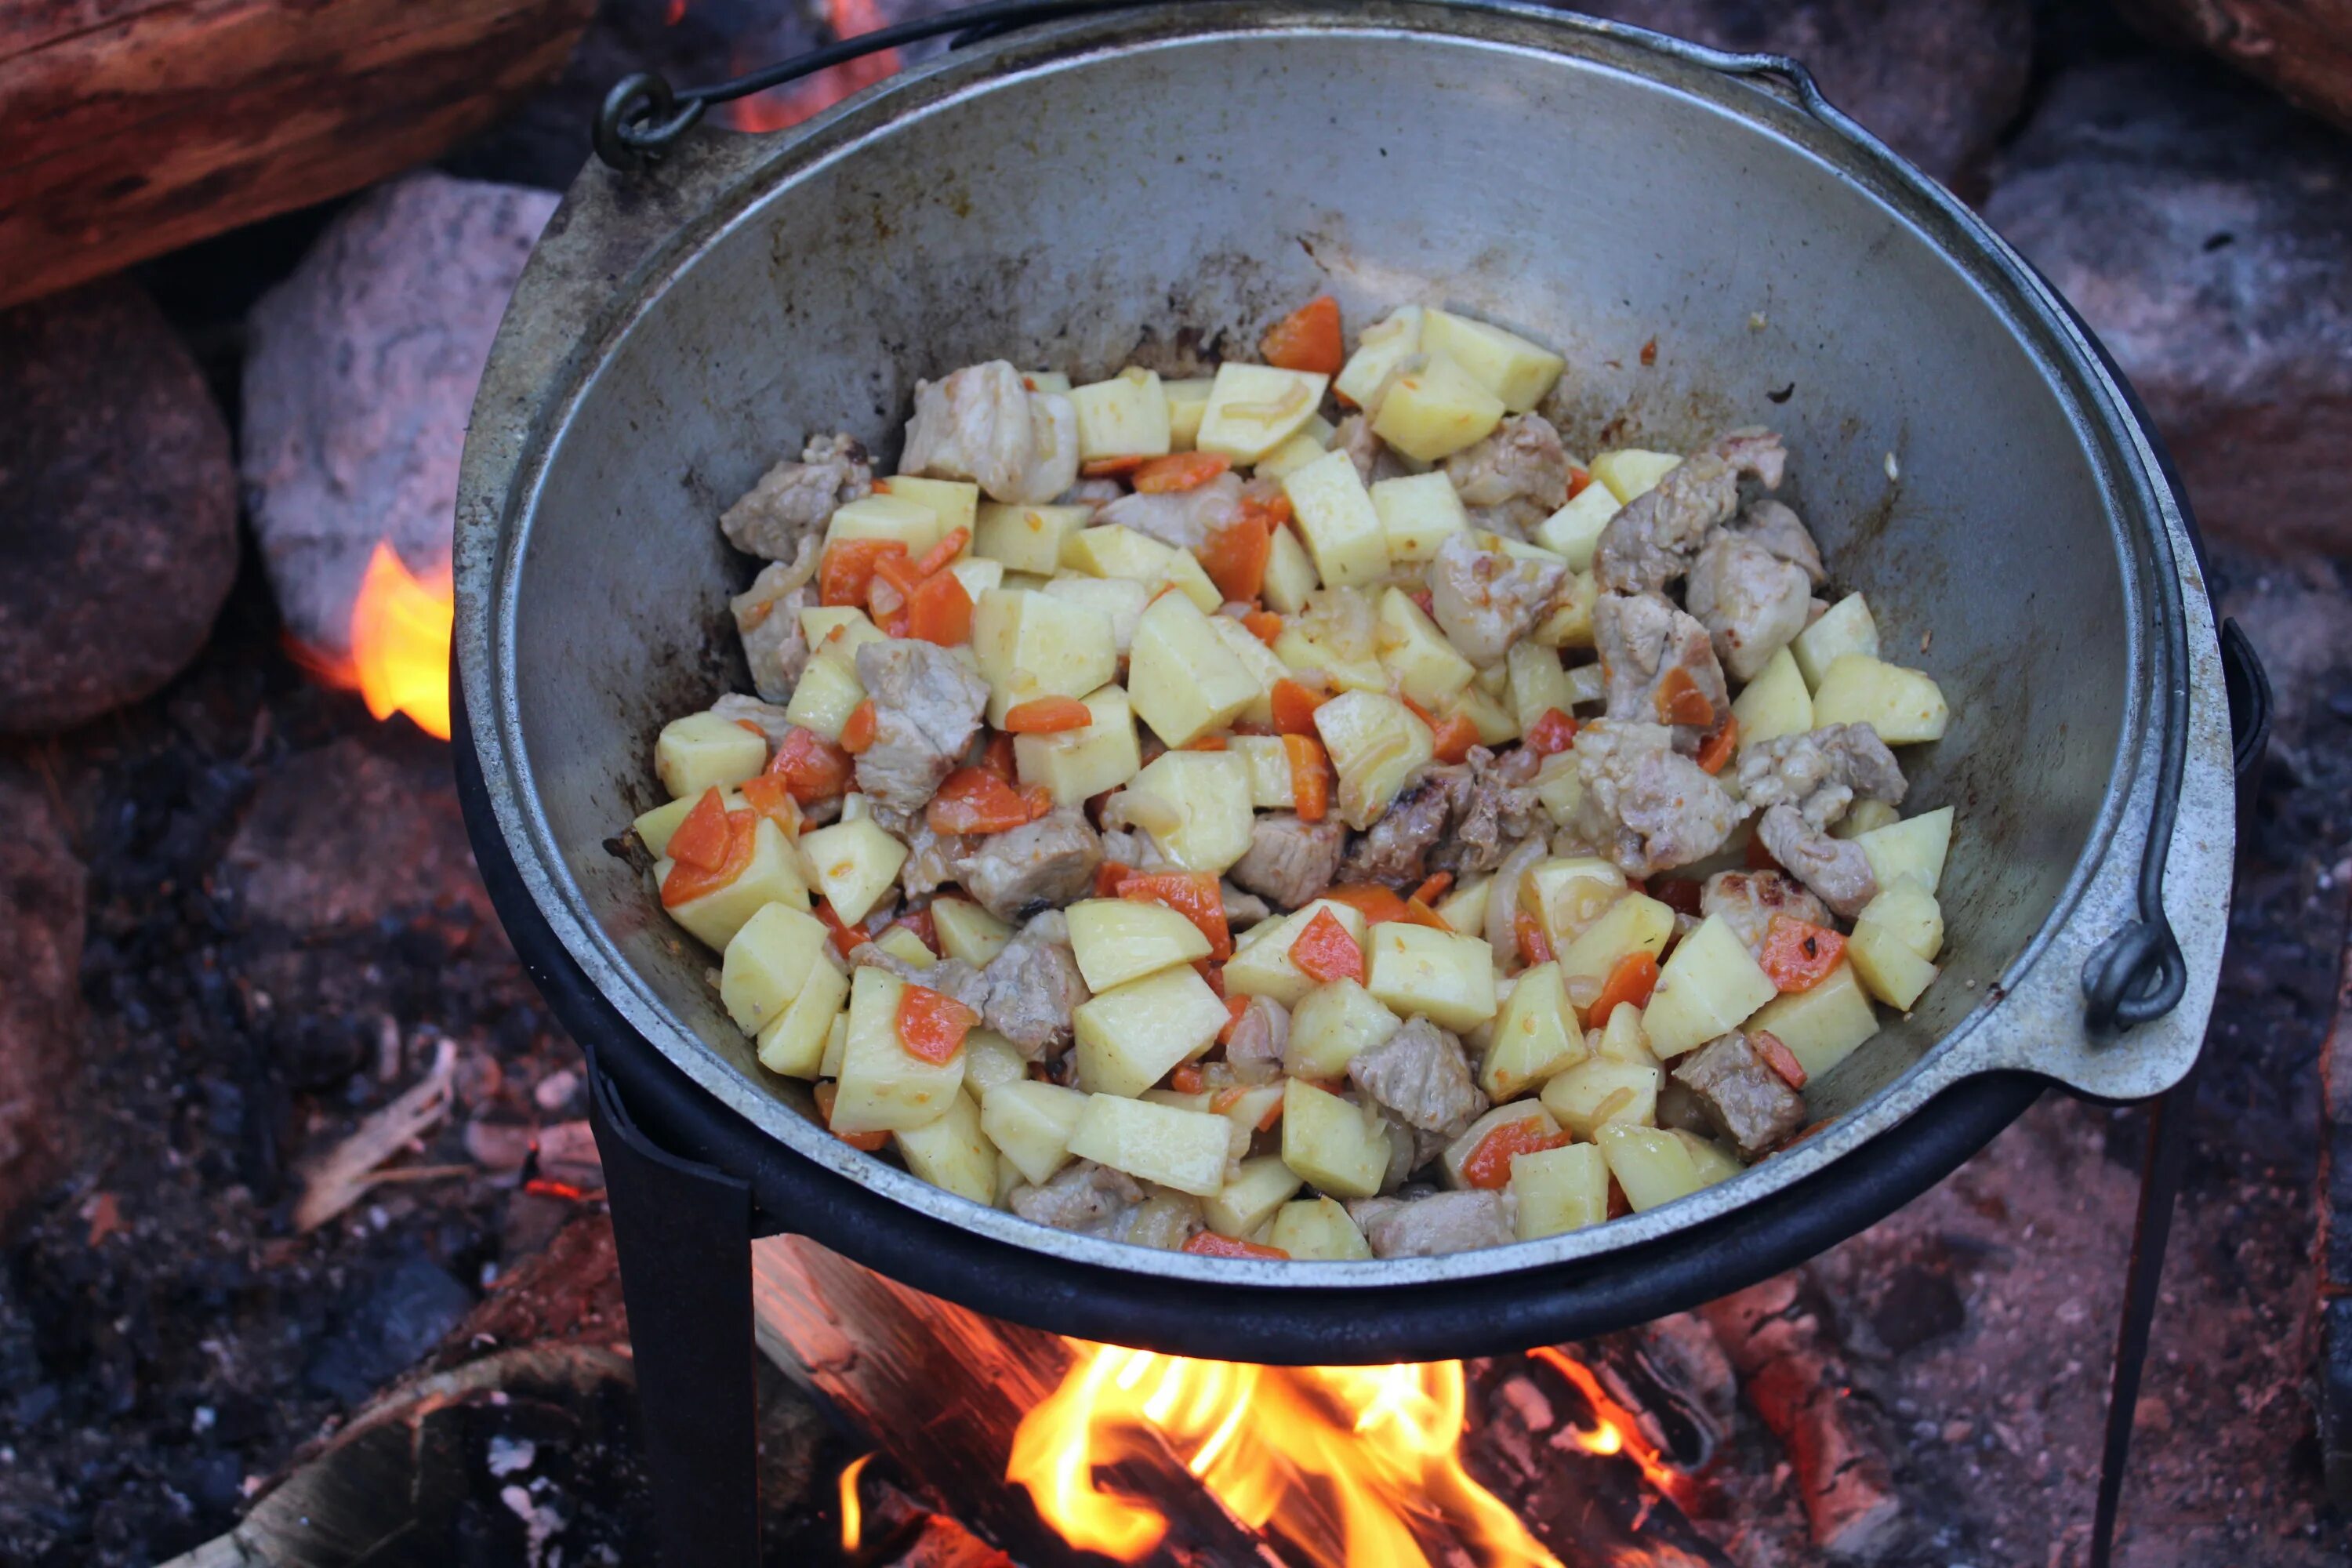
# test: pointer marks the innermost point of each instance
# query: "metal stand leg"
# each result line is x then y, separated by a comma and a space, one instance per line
684, 1234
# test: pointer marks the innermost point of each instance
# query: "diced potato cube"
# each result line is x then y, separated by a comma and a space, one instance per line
906, 946
1261, 964
1569, 625
1034, 645
1078, 764
989, 1060
1425, 665
1598, 1092
1495, 723
1289, 574
836, 1045
1290, 456
1446, 977
1628, 472
1375, 743
884, 1086
1464, 909
774, 877
1623, 1038
1256, 657
1047, 380
767, 962
838, 631
1635, 922
1505, 363
1121, 598
827, 694
1335, 514
1381, 352
1573, 533
1298, 651
703, 752
1903, 705
1131, 1038
1333, 1143
853, 864
1774, 704
1187, 400
1710, 1160
1182, 679
1126, 416
1027, 538
1031, 1124
1569, 895
1262, 1185
1195, 805
1538, 683
1864, 816
1114, 550
1847, 627
1332, 1025
1253, 409
653, 828
1559, 788
955, 502
952, 1153
1417, 513
1517, 1112
1535, 1036
1652, 1166
879, 516
1910, 912
968, 931
794, 1041
978, 576
1119, 939
1914, 848
1710, 984
1589, 682
1433, 412
1319, 1230
1821, 1025
1559, 1190
1181, 1149
1249, 1109
1268, 762
1883, 958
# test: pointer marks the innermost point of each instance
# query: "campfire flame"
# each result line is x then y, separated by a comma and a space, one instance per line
811, 96
1282, 1447
399, 661
852, 1513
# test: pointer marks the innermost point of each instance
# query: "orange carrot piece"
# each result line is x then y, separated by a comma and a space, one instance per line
1047, 716
812, 767
938, 558
1718, 749
1325, 951
1534, 947
1551, 733
1112, 468
932, 1027
1798, 955
1310, 777
1779, 1058
1186, 1079
939, 611
825, 1094
1307, 339
700, 838
1294, 708
1630, 984
1180, 472
1679, 700
1264, 625
687, 883
1192, 894
771, 797
847, 570
1375, 903
1488, 1166
1209, 1244
858, 731
1235, 557
1454, 737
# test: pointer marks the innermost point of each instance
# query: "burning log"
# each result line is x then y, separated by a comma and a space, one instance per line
138, 129
1797, 1378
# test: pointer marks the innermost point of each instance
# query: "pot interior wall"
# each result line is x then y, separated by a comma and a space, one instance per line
1063, 216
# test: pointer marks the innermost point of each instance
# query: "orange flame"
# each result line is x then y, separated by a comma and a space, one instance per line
1279, 1446
853, 1514
811, 96
399, 661
1617, 1432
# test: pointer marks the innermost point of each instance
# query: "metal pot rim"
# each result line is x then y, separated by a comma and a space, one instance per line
2029, 1022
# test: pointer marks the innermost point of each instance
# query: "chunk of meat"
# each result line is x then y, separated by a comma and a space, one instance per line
1092, 1199
1241, 910
1644, 804
950, 977
1484, 600
983, 424
1820, 772
1421, 1076
767, 619
1183, 519
1042, 865
1035, 987
1092, 494
1513, 479
1366, 450
1739, 1095
1130, 847
1254, 1050
1462, 817
1650, 541
1643, 640
1752, 603
793, 501
927, 707
1748, 899
1437, 1224
1395, 851
768, 717
1166, 1219
1836, 868
1780, 530
931, 857
1290, 861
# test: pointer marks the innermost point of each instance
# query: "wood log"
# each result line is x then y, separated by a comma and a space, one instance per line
137, 126
2301, 48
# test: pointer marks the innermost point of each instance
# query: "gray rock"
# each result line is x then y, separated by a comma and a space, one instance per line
360, 371
2205, 232
117, 506
1936, 80
42, 899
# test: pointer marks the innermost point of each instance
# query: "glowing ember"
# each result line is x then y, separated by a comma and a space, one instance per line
1282, 1447
811, 96
853, 1514
399, 661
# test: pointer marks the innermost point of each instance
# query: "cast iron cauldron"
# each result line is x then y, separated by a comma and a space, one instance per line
1056, 196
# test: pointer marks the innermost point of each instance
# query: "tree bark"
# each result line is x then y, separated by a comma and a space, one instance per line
139, 126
